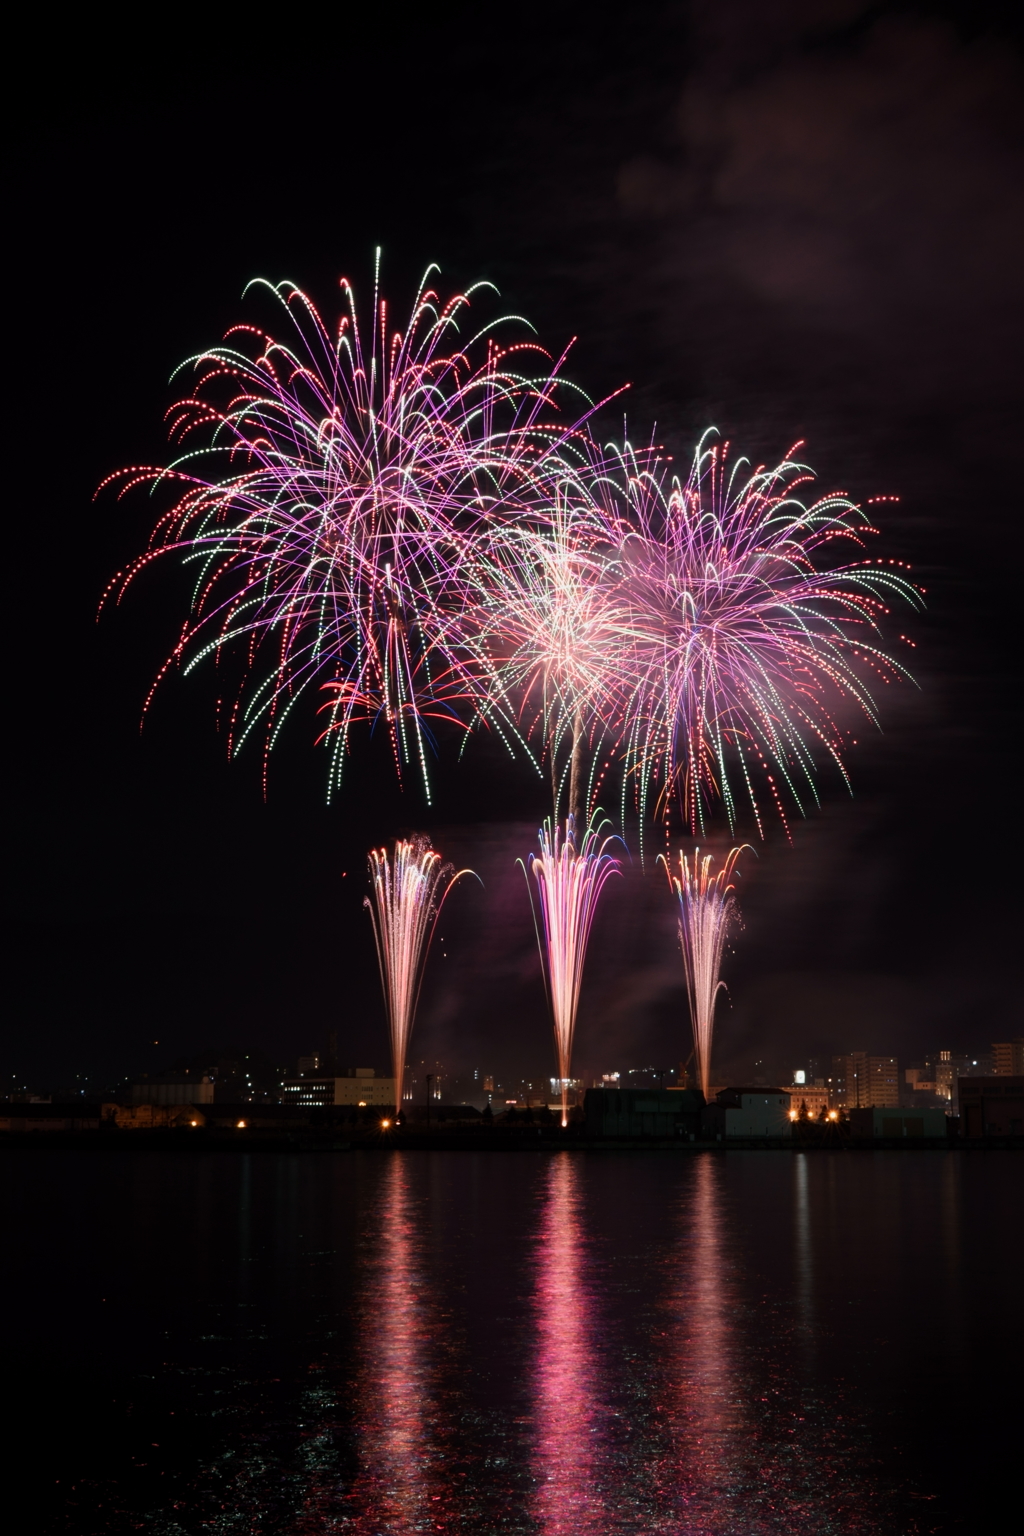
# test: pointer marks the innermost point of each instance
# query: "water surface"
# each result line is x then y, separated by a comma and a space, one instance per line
581, 1342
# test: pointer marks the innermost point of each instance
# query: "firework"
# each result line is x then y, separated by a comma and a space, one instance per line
569, 883
328, 494
707, 910
746, 642
409, 887
549, 624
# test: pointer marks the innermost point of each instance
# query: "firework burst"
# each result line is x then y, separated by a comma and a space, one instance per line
743, 642
328, 493
548, 624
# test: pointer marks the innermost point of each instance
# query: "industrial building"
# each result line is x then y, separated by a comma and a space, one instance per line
889, 1124
173, 1089
991, 1106
643, 1111
748, 1112
357, 1086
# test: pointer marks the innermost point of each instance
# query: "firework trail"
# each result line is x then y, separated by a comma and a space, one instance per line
707, 910
409, 887
569, 883
329, 492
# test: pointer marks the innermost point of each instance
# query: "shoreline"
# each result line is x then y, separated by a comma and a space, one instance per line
193, 1142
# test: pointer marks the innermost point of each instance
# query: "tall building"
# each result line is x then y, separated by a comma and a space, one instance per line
859, 1081
1009, 1058
945, 1069
884, 1082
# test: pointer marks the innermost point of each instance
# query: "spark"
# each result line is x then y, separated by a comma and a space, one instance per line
408, 889
569, 882
707, 911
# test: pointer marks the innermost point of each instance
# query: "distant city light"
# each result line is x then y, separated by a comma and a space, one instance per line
800, 1077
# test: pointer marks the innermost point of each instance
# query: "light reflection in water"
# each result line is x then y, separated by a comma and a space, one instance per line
710, 1410
804, 1264
755, 1452
568, 1419
398, 1488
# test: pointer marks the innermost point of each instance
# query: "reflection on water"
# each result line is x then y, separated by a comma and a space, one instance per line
398, 1488
715, 1344
709, 1414
567, 1416
804, 1263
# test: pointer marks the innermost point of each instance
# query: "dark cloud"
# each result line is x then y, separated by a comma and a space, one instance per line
869, 193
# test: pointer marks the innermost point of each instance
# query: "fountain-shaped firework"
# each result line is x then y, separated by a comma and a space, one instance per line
409, 887
707, 910
569, 882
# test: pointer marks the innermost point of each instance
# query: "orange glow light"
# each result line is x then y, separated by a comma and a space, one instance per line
240, 1126
385, 1124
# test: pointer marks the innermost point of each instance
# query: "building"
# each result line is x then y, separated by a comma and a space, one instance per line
749, 1112
246, 1116
358, 1086
888, 1123
860, 1080
173, 1089
642, 1111
1008, 1058
945, 1069
814, 1100
150, 1117
573, 1090
992, 1106
918, 1089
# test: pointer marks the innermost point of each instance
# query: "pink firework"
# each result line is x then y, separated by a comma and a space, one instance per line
569, 882
409, 887
743, 643
707, 911
549, 623
327, 495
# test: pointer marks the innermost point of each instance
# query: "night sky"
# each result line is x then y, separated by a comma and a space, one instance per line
796, 221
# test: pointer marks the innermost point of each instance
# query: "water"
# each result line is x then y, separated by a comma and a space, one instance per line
586, 1343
